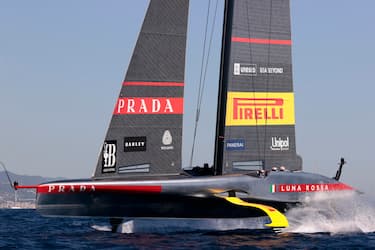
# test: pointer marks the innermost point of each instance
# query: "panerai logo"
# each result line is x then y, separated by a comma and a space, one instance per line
235, 144
277, 143
167, 140
109, 157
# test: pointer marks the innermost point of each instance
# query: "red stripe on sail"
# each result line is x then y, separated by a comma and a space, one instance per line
90, 188
149, 106
158, 84
261, 41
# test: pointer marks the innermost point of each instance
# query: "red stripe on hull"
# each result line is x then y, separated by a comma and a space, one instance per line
158, 84
25, 187
261, 41
90, 188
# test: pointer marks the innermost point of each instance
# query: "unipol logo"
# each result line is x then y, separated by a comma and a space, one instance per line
148, 105
279, 144
109, 157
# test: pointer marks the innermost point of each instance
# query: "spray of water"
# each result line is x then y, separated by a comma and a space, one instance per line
103, 228
334, 213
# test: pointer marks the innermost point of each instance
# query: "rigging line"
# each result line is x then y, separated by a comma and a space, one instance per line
208, 55
6, 172
201, 85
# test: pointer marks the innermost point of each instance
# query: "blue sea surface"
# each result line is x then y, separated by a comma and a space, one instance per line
26, 229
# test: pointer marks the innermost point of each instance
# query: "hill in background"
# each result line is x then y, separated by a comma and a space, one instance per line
24, 197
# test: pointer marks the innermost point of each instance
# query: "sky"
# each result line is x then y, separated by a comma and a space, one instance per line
62, 64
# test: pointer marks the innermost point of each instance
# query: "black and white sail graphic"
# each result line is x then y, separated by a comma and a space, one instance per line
144, 135
259, 118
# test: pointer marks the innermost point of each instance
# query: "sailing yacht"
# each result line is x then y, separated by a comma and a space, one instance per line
256, 171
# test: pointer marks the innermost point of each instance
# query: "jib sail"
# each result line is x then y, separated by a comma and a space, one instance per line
144, 135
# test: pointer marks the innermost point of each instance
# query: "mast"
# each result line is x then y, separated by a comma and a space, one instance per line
222, 90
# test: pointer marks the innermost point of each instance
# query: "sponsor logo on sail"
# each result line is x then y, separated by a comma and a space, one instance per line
149, 105
258, 108
279, 144
109, 157
314, 187
271, 70
167, 141
235, 144
244, 69
248, 69
133, 144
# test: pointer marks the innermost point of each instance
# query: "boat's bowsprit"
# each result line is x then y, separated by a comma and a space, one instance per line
339, 171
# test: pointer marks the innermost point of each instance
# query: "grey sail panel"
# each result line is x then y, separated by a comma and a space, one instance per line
145, 132
259, 123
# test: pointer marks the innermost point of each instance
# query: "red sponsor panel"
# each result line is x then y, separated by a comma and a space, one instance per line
149, 106
261, 41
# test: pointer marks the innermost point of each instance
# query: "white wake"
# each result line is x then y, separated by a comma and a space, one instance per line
334, 213
164, 225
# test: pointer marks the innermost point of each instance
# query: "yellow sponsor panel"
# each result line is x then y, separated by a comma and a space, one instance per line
259, 108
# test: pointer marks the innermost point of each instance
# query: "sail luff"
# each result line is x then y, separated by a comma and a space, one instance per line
222, 89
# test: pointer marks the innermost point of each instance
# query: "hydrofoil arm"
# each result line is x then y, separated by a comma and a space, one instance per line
277, 218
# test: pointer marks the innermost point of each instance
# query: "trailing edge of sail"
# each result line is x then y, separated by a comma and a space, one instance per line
145, 133
259, 118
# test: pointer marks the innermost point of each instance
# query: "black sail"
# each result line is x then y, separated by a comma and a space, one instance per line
145, 133
258, 120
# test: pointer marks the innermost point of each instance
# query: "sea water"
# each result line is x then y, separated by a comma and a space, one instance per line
325, 222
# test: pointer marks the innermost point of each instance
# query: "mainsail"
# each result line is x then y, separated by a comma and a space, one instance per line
145, 133
257, 100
